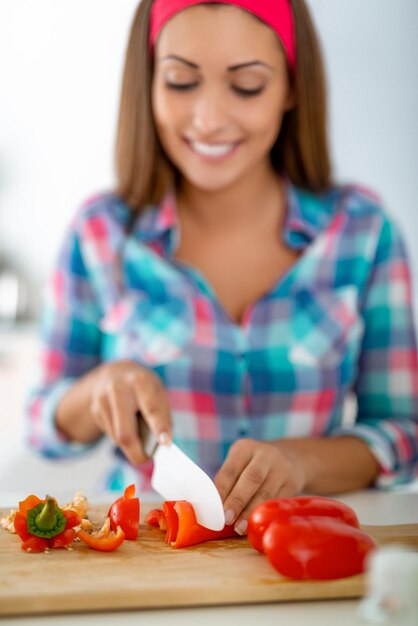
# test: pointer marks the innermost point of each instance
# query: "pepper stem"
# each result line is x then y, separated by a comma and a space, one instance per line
47, 518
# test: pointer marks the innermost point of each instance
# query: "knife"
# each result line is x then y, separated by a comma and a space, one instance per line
177, 477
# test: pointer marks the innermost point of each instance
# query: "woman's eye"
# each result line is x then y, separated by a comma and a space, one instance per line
247, 93
181, 86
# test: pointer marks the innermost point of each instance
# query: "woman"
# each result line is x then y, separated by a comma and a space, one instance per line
229, 293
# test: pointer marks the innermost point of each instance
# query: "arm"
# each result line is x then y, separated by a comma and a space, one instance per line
387, 383
382, 446
69, 347
255, 471
78, 398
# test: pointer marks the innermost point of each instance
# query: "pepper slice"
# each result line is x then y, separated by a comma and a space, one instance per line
103, 540
156, 518
64, 539
35, 544
182, 527
125, 512
28, 503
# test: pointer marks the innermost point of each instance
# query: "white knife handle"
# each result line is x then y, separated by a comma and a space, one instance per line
148, 439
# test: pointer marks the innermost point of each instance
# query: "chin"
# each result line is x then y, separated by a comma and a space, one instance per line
209, 185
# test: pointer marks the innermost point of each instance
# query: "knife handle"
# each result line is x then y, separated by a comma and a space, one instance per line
148, 439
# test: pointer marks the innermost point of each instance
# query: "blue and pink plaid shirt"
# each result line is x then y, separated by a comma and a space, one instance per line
338, 325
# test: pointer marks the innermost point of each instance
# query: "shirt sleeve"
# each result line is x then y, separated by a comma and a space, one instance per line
387, 383
70, 341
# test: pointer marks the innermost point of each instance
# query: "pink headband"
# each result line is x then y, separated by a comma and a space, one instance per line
275, 13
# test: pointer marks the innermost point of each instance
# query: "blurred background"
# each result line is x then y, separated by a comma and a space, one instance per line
60, 72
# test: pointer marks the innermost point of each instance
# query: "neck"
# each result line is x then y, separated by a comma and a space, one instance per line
256, 199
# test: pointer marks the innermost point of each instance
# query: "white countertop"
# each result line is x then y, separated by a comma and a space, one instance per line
372, 507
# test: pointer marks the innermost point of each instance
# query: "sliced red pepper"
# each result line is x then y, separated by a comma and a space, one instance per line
28, 503
64, 539
172, 521
282, 509
189, 532
178, 518
318, 548
129, 491
35, 544
153, 518
73, 518
20, 526
125, 512
104, 540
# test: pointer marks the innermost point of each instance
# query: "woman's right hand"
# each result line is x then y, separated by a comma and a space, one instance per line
121, 389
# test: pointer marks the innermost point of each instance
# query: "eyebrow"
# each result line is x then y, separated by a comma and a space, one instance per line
232, 68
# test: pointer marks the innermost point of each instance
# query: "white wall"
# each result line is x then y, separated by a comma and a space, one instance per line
60, 65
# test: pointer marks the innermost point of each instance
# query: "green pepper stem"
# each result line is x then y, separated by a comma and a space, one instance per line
47, 518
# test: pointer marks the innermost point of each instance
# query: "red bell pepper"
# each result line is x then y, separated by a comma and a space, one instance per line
104, 540
182, 527
318, 548
283, 509
125, 512
156, 518
41, 524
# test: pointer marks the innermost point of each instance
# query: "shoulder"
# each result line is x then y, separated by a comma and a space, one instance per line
362, 202
358, 215
367, 212
96, 233
372, 232
104, 212
340, 211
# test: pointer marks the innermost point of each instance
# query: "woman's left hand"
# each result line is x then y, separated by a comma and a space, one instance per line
255, 471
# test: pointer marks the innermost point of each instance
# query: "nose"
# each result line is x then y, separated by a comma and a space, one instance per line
209, 112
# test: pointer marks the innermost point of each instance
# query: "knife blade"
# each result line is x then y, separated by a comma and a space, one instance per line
177, 477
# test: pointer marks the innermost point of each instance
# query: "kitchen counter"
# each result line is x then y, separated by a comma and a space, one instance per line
331, 613
374, 508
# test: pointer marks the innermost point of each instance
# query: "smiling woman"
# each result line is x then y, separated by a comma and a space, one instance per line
229, 291
227, 105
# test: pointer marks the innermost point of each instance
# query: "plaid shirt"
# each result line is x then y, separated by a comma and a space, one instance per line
339, 324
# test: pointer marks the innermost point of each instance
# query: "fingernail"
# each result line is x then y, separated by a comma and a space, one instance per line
229, 517
241, 527
163, 439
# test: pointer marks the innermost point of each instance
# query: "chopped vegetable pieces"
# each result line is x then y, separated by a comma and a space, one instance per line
178, 519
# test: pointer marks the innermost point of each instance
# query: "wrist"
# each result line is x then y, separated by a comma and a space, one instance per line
303, 461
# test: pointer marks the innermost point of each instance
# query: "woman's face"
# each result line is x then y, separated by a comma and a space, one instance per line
220, 90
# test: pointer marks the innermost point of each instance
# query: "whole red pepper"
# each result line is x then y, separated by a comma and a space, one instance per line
310, 537
282, 509
317, 548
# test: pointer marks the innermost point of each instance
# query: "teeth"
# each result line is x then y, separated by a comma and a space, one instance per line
211, 150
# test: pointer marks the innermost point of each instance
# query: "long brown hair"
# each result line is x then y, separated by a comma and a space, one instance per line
301, 151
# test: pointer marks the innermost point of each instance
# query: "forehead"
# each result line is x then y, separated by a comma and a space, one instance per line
223, 32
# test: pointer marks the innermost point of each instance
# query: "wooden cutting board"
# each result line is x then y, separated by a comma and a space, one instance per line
148, 573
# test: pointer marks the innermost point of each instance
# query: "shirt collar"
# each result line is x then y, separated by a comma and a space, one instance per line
157, 220
307, 215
